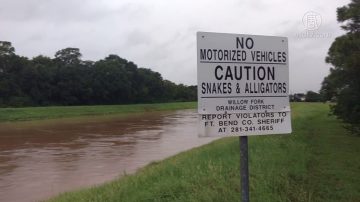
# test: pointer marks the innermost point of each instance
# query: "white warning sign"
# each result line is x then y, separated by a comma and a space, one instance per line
240, 75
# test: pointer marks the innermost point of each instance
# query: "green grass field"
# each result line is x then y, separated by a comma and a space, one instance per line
318, 162
38, 113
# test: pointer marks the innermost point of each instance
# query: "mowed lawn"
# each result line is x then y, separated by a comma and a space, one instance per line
319, 161
40, 113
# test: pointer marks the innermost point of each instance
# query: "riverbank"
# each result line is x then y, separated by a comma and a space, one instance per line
40, 113
318, 162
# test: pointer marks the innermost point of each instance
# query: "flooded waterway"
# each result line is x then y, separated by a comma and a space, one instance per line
39, 159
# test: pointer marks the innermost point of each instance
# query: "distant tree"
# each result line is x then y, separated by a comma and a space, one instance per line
192, 93
43, 88
68, 56
6, 48
150, 86
12, 68
111, 83
69, 82
298, 97
7, 51
343, 83
312, 96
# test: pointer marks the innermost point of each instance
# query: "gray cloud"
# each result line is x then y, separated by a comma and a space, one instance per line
161, 34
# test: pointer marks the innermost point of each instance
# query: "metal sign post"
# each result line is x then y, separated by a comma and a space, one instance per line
244, 168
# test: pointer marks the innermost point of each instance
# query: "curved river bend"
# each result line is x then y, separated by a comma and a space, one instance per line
39, 159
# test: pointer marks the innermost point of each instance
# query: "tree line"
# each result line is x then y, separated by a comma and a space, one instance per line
342, 85
309, 96
68, 80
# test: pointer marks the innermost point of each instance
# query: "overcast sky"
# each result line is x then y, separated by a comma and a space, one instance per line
161, 35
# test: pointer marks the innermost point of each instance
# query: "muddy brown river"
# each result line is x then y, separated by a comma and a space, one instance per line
40, 159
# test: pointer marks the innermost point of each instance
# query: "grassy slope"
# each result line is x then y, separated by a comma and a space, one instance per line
318, 162
36, 113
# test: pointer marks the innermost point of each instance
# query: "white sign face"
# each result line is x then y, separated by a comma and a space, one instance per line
242, 73
244, 124
243, 84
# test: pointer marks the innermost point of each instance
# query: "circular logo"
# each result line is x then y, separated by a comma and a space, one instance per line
311, 20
